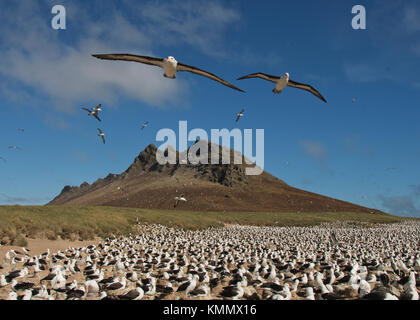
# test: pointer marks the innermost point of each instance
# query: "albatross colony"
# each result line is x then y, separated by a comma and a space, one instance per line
325, 262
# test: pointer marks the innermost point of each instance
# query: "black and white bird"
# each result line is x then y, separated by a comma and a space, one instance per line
240, 115
94, 111
135, 294
144, 125
170, 66
179, 199
284, 81
102, 135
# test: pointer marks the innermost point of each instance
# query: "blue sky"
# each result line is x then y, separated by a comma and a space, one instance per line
342, 149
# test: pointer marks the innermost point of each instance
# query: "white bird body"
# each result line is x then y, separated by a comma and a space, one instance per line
92, 288
28, 295
281, 83
364, 288
169, 66
12, 296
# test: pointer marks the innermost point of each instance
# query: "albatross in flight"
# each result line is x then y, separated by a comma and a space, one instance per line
144, 125
94, 112
101, 134
169, 65
178, 199
283, 81
240, 115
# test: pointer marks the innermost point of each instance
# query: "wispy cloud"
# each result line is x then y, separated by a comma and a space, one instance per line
4, 198
315, 149
365, 73
354, 144
64, 73
200, 24
81, 156
411, 18
318, 151
400, 205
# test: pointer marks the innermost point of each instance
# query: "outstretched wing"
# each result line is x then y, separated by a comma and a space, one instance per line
262, 76
88, 110
130, 57
96, 116
306, 87
184, 67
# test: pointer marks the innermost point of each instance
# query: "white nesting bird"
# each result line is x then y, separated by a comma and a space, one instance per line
364, 288
92, 288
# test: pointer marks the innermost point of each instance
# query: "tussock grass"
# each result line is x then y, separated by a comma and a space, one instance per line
86, 223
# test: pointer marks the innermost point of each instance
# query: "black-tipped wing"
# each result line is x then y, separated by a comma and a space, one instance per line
262, 76
184, 67
100, 131
96, 116
86, 109
130, 57
306, 87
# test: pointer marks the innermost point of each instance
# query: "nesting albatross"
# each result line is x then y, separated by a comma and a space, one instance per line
282, 82
169, 65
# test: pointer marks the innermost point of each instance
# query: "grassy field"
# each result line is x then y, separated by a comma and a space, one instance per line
86, 223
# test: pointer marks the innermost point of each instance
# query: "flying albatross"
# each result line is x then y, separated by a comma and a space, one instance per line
94, 111
283, 81
240, 115
178, 199
101, 134
169, 65
144, 125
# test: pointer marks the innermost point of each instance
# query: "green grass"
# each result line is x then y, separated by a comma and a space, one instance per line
86, 223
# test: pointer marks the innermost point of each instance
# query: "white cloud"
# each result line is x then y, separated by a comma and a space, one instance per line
411, 19
366, 73
200, 24
315, 149
36, 57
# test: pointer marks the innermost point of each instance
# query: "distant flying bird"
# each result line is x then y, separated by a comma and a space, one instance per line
391, 169
240, 115
282, 82
21, 130
144, 125
354, 100
101, 134
14, 148
169, 65
94, 111
179, 199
